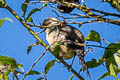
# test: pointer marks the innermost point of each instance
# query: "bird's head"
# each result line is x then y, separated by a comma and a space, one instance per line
51, 22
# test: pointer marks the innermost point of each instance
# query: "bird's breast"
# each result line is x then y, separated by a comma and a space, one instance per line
66, 53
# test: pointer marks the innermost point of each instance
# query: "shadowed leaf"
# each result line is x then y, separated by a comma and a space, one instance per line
33, 11
33, 72
24, 7
94, 63
111, 49
56, 49
49, 65
40, 78
104, 75
30, 47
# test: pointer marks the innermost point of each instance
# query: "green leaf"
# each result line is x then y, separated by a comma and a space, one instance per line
113, 71
3, 20
93, 36
7, 60
29, 19
33, 11
71, 77
118, 52
2, 3
49, 65
117, 59
56, 49
104, 75
110, 61
24, 7
118, 70
111, 49
20, 66
5, 75
9, 19
36, 10
18, 72
112, 67
30, 47
40, 78
33, 72
94, 63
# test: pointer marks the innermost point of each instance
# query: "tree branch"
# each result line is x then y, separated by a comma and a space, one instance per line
34, 64
39, 39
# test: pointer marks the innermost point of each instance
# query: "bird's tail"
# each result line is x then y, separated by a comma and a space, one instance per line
80, 55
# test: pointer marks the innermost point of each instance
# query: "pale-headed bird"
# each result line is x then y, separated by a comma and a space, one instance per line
56, 32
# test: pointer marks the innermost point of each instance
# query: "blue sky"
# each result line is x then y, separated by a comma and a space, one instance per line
14, 40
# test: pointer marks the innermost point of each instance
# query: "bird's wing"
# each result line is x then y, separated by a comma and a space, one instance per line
74, 35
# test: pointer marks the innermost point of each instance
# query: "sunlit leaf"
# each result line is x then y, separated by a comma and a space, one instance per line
33, 72
3, 20
29, 19
112, 67
71, 77
117, 59
5, 75
2, 3
18, 72
7, 60
110, 61
113, 71
20, 66
49, 65
9, 19
93, 36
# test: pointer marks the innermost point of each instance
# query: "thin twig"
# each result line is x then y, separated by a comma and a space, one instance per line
34, 64
105, 40
105, 13
14, 74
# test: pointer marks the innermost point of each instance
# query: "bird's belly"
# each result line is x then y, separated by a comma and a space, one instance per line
52, 38
66, 53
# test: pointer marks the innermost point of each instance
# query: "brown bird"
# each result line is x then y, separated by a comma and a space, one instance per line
67, 9
55, 32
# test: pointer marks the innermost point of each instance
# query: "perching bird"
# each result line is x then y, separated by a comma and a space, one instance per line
55, 32
67, 9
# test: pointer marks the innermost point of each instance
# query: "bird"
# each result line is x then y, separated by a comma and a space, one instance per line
69, 35
67, 9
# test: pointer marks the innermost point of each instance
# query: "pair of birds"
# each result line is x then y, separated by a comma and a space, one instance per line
57, 32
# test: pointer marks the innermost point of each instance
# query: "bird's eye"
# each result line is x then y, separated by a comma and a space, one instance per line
49, 22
